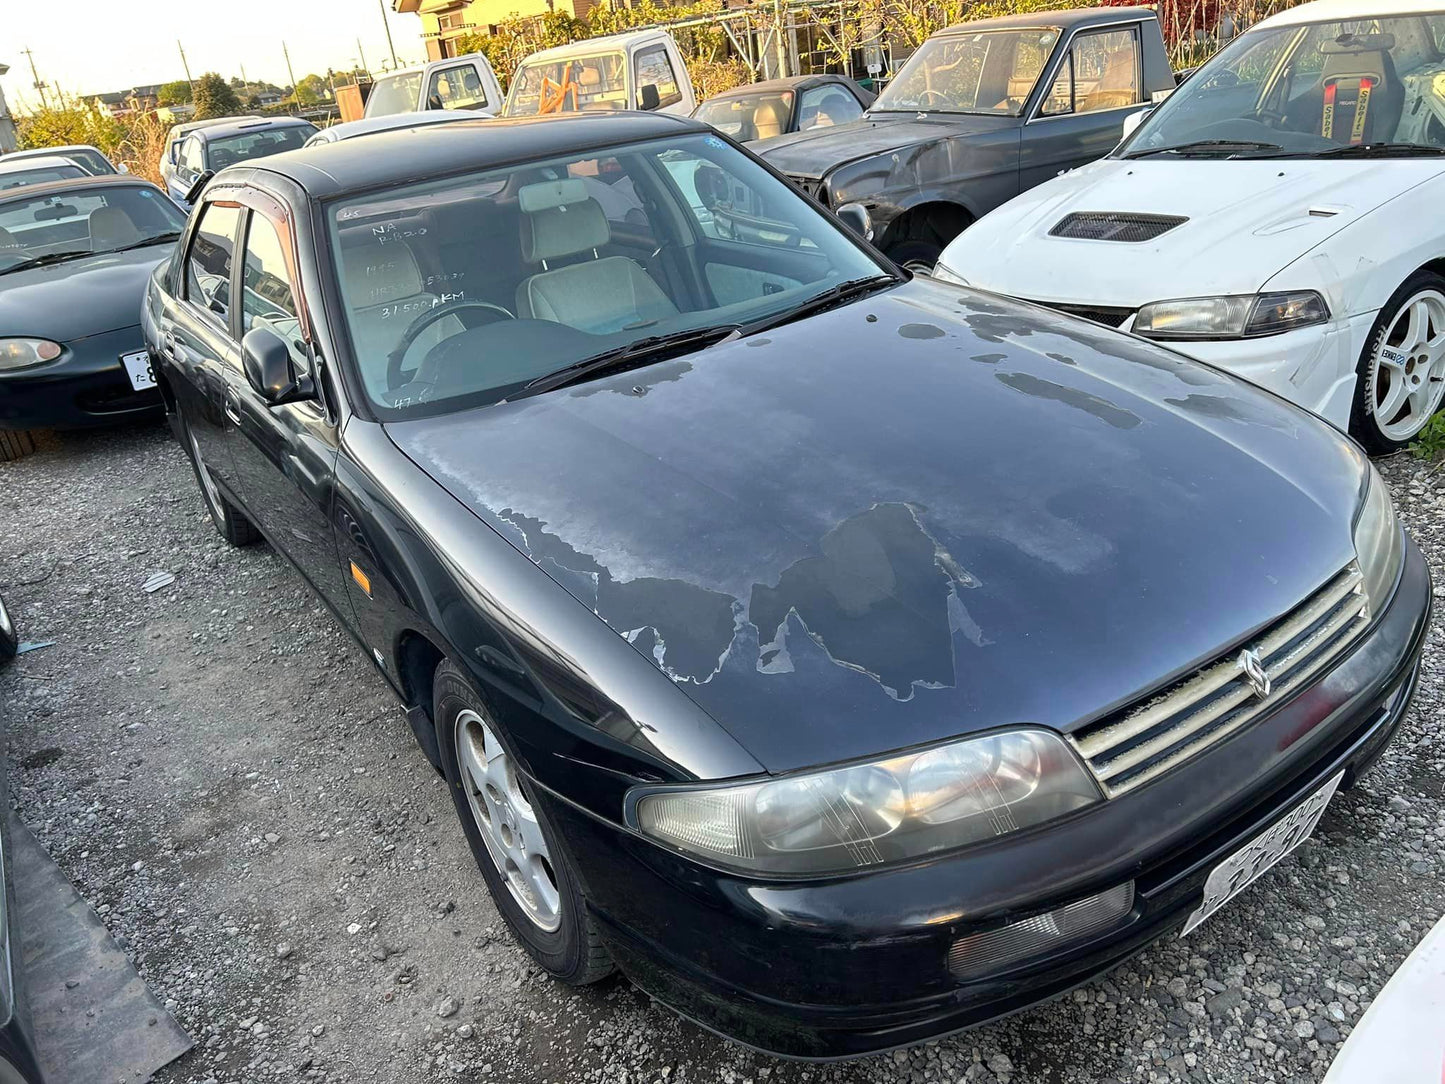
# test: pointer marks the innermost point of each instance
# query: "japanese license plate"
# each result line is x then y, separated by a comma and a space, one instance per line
1244, 866
138, 368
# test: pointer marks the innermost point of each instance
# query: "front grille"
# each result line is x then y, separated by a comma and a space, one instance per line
1128, 750
813, 186
1114, 226
1099, 314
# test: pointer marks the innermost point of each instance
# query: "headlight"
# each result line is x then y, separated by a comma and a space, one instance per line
1239, 317
1379, 542
865, 815
23, 353
947, 275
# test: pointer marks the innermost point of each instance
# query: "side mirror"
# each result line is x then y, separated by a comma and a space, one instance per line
648, 98
199, 185
266, 358
1132, 122
122, 168
856, 217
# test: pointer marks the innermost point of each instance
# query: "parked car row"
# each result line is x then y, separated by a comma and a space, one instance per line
847, 654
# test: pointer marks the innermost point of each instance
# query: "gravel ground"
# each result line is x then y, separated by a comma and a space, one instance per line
222, 775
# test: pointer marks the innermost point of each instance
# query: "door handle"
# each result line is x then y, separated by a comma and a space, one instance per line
229, 406
168, 344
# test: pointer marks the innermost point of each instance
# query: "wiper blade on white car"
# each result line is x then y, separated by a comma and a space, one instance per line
1202, 147
1378, 150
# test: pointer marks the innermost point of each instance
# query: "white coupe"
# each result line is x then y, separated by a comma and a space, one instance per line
1281, 215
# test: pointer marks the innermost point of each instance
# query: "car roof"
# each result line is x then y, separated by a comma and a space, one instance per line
414, 154
11, 164
391, 121
1331, 10
422, 69
792, 82
189, 126
589, 46
74, 184
222, 131
50, 152
1063, 19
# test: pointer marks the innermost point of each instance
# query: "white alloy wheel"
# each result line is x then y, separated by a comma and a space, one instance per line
1407, 371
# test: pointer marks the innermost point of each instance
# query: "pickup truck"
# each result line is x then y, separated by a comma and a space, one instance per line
642, 70
459, 82
981, 112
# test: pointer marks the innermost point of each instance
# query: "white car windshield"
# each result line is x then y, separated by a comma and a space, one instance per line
1358, 87
394, 94
991, 72
587, 83
470, 289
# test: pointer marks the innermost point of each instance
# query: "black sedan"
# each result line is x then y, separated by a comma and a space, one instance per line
776, 107
212, 149
848, 658
74, 259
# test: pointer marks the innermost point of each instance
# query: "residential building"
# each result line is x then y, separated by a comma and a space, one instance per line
445, 22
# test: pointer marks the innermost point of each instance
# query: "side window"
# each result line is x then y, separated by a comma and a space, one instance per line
1061, 94
208, 263
653, 66
191, 157
823, 107
267, 297
456, 88
1106, 70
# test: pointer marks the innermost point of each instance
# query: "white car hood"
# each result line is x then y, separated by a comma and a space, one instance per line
1247, 220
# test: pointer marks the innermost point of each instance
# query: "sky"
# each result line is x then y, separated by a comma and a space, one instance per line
102, 45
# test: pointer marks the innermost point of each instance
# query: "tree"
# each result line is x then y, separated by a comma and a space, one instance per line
214, 97
311, 89
177, 93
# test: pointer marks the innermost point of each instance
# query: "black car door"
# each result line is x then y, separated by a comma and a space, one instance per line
196, 337
285, 454
1079, 115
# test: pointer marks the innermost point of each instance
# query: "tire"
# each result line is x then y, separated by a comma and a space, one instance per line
9, 636
1401, 372
554, 926
916, 255
15, 443
231, 523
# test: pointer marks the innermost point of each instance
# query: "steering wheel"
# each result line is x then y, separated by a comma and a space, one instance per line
394, 371
929, 97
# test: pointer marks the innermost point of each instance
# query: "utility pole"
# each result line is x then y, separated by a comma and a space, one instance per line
295, 99
362, 52
389, 43
186, 67
38, 83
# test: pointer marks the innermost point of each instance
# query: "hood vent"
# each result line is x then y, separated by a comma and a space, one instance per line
1114, 226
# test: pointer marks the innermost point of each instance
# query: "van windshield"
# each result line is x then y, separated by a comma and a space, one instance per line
579, 84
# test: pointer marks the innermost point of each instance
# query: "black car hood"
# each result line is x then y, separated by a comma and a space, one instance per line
817, 151
922, 514
81, 297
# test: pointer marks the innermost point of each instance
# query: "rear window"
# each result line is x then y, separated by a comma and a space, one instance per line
582, 84
221, 153
39, 175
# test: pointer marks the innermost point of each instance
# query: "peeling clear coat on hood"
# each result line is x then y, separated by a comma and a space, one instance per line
851, 533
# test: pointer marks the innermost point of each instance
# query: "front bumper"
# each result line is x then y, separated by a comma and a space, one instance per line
851, 966
86, 386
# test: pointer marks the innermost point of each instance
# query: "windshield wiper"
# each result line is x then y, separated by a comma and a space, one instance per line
159, 238
641, 352
833, 295
42, 260
1378, 150
1209, 146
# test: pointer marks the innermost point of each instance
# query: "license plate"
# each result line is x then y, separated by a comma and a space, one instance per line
1246, 865
138, 368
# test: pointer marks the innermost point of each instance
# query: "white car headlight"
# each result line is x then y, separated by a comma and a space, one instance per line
865, 815
1235, 317
940, 271
1379, 542
23, 353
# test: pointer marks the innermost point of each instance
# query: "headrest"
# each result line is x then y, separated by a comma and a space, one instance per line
380, 274
544, 195
111, 226
564, 229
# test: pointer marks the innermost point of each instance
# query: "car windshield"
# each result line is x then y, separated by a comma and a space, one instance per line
581, 84
463, 291
229, 150
1333, 89
84, 221
18, 178
990, 72
394, 94
747, 117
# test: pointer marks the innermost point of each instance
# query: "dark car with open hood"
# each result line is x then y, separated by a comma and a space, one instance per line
75, 256
847, 657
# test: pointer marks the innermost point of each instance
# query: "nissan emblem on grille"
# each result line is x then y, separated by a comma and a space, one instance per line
1254, 672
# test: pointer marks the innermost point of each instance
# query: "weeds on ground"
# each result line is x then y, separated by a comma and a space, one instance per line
1430, 443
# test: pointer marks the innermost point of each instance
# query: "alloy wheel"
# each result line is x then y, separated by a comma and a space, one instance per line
506, 821
1407, 373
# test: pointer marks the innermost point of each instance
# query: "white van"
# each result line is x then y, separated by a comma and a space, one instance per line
642, 70
459, 82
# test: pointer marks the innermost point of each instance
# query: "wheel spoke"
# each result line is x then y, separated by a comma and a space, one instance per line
1395, 396
1415, 330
